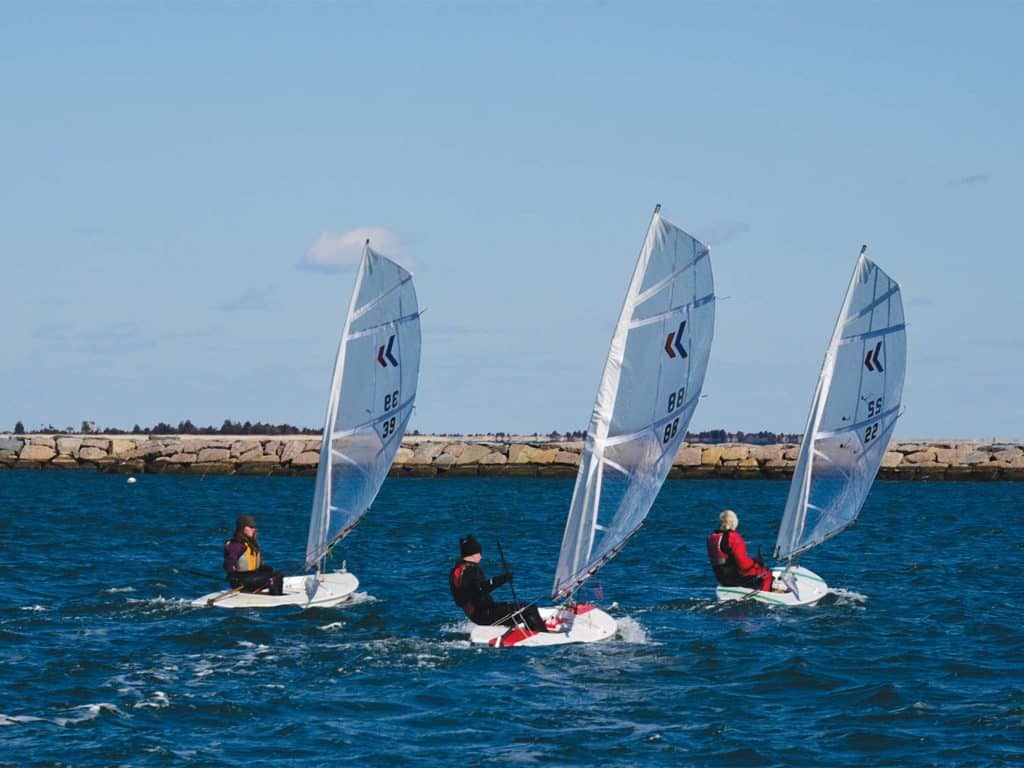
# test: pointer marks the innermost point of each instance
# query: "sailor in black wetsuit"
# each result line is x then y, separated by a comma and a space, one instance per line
471, 590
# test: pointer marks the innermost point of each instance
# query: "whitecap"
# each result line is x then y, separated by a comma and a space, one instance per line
159, 700
115, 590
18, 719
88, 712
34, 608
332, 626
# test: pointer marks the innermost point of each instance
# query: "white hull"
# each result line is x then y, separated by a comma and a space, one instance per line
810, 588
313, 591
582, 623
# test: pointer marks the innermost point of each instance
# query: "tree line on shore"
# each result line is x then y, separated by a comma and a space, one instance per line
229, 427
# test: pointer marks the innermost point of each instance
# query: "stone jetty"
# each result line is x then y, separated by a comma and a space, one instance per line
485, 455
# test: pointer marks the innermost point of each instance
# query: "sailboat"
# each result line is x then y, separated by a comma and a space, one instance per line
373, 389
649, 390
853, 413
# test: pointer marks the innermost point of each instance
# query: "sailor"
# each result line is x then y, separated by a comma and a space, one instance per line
729, 559
471, 590
243, 561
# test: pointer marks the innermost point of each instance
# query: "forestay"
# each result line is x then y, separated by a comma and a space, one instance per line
650, 387
372, 394
854, 411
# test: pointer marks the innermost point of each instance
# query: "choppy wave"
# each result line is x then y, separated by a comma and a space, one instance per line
125, 671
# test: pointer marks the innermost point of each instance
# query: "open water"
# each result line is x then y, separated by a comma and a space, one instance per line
916, 659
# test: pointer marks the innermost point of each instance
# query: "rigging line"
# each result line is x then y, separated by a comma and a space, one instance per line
872, 334
597, 565
826, 537
870, 307
385, 324
367, 307
325, 551
673, 312
642, 297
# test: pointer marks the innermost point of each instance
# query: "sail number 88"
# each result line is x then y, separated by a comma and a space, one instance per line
675, 399
670, 430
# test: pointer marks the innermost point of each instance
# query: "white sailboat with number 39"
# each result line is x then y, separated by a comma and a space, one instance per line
853, 413
371, 400
649, 390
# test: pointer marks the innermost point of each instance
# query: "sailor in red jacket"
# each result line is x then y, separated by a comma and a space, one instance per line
728, 554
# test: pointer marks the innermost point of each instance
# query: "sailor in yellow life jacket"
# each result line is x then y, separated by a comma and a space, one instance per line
243, 560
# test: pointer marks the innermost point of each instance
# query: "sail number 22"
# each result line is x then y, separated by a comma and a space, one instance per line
874, 409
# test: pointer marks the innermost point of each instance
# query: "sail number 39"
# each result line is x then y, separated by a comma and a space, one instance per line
388, 426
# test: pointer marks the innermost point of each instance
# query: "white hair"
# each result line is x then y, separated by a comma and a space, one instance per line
728, 520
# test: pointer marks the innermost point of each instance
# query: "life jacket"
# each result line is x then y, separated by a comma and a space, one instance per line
458, 592
249, 560
722, 561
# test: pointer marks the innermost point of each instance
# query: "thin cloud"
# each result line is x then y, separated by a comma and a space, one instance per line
974, 178
722, 232
919, 302
334, 252
52, 332
251, 300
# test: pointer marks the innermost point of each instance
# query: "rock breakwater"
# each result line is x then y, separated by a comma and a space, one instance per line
430, 456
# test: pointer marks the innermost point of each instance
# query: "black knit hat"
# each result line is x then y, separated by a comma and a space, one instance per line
244, 520
469, 546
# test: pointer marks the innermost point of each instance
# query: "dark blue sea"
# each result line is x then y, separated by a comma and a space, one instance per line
917, 658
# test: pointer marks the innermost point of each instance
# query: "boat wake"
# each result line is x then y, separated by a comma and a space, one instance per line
847, 596
632, 631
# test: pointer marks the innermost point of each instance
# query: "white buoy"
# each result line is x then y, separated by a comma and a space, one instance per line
130, 480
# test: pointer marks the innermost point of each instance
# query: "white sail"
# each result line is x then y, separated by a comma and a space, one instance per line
649, 390
372, 394
853, 413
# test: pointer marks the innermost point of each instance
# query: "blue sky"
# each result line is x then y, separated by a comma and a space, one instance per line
176, 174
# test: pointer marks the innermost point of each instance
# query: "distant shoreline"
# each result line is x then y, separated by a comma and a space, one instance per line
477, 455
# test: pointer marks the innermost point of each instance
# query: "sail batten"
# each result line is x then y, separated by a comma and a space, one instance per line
387, 323
666, 281
372, 394
853, 413
649, 389
373, 302
673, 312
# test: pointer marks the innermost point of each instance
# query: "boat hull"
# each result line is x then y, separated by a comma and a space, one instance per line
583, 623
810, 588
323, 590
